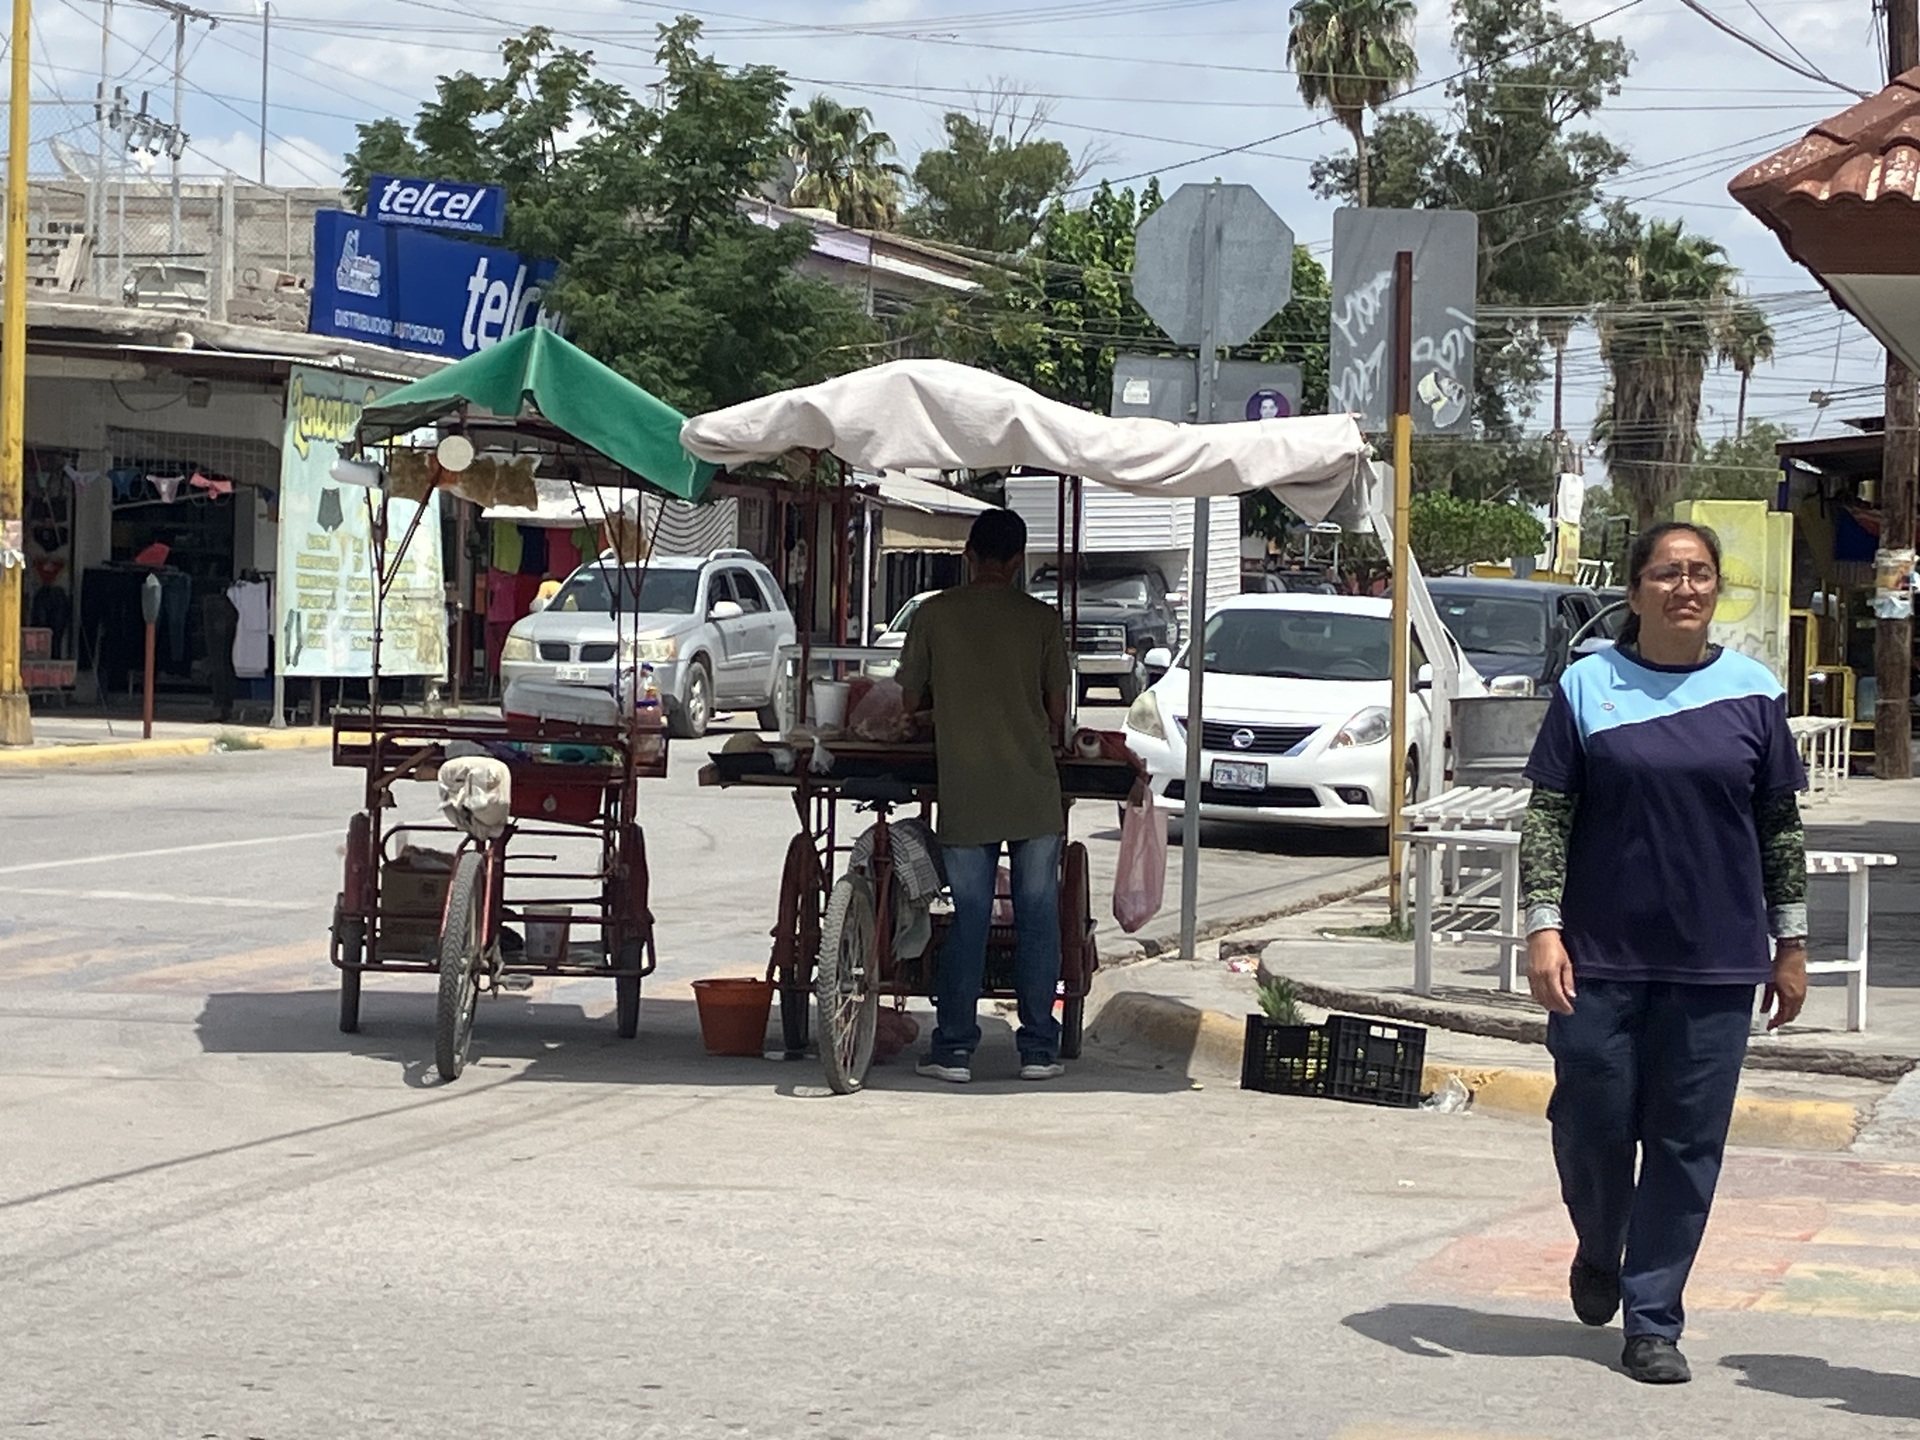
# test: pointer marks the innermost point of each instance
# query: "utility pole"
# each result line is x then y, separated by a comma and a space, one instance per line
1899, 479
174, 133
101, 112
266, 36
16, 720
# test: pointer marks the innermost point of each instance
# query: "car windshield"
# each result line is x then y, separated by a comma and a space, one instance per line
1494, 625
1097, 589
1299, 644
590, 591
898, 625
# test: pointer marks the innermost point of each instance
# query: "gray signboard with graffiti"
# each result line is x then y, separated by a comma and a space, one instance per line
1445, 246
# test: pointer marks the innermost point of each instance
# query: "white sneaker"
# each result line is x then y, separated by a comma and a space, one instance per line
952, 1074
1042, 1070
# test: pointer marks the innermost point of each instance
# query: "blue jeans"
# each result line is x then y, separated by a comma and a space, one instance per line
1650, 1068
971, 872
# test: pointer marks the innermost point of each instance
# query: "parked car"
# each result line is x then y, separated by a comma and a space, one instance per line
893, 636
1123, 613
711, 628
1298, 693
1517, 633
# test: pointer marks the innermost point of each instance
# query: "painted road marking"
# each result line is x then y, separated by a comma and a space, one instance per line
1846, 1249
155, 897
333, 834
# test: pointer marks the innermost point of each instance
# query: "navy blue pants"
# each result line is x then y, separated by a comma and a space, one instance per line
1645, 1068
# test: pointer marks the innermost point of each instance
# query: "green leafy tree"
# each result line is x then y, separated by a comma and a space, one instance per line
1448, 533
1745, 342
1352, 56
1657, 340
1519, 148
1742, 466
987, 191
661, 274
844, 164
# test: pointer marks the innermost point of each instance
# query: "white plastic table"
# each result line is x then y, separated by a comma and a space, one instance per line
1858, 866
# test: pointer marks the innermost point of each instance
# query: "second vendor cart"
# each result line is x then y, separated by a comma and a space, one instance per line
835, 929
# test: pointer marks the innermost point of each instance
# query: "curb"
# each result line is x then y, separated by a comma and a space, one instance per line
1207, 1044
46, 757
1152, 947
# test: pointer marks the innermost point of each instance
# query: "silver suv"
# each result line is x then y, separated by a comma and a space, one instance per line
712, 629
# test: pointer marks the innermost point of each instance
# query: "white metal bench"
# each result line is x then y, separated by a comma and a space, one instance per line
1822, 742
1426, 847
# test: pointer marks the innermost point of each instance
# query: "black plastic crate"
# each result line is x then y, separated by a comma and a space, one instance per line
1375, 1061
1285, 1059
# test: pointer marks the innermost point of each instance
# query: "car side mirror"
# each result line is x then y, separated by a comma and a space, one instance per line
1176, 597
1159, 658
725, 610
1423, 680
879, 628
540, 603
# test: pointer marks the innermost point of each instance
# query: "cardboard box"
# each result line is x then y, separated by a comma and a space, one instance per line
413, 894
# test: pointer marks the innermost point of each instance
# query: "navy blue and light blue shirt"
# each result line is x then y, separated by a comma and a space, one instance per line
1670, 765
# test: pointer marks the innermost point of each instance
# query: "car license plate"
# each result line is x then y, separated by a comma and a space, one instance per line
571, 674
1239, 775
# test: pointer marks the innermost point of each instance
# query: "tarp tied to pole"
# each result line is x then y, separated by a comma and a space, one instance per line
934, 414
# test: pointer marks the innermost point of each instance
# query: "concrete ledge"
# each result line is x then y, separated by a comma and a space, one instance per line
1207, 1044
1152, 947
41, 757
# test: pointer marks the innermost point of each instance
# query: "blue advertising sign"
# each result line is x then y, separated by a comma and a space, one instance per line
437, 204
415, 290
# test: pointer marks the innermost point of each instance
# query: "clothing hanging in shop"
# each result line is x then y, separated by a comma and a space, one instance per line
253, 600
506, 547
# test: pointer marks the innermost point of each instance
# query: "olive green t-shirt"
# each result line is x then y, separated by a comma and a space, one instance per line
989, 656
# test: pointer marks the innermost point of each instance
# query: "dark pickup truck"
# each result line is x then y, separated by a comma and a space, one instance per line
1123, 613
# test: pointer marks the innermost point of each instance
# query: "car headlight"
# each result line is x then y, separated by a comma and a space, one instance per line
650, 652
1520, 685
518, 647
1369, 727
1143, 717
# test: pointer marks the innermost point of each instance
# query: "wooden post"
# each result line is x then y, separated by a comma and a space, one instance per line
1402, 423
1899, 478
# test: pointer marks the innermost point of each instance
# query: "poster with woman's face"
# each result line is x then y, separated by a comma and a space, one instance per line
1268, 405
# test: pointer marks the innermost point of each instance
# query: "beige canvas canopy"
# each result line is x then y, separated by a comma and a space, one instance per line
934, 414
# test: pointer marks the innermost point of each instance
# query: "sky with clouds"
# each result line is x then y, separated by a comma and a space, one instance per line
1189, 90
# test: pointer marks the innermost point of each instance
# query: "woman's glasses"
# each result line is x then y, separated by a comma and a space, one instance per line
1668, 577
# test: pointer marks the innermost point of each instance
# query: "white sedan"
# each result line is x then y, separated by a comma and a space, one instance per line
1297, 694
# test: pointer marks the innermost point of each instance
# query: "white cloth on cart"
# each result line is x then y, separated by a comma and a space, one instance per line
476, 795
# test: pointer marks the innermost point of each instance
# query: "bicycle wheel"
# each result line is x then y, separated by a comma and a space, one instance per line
459, 968
845, 986
796, 940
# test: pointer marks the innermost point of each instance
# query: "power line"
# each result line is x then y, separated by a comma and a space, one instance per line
1805, 71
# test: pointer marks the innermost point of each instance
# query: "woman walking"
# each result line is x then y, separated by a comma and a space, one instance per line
1664, 867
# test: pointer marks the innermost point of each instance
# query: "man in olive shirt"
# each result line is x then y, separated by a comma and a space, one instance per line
994, 662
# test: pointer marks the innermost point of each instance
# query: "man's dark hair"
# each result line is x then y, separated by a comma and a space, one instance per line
997, 536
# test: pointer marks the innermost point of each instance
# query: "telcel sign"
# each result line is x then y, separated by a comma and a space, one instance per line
437, 204
418, 291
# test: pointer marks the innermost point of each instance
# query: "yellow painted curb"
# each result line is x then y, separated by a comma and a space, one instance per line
43, 757
1208, 1043
1777, 1124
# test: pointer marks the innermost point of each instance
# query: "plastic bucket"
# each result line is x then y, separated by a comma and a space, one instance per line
733, 1015
547, 927
830, 703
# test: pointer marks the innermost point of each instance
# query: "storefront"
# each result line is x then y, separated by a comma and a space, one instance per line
154, 447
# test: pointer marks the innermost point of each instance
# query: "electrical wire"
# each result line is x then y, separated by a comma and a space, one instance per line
1805, 71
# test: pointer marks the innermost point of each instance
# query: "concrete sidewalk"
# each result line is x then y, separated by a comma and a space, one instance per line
1813, 1085
60, 739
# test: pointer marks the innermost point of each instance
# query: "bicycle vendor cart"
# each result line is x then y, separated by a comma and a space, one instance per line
839, 933
539, 806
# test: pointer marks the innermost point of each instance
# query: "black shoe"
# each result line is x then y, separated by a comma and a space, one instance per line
1655, 1360
1595, 1292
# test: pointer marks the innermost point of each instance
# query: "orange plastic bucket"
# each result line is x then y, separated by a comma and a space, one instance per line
733, 1015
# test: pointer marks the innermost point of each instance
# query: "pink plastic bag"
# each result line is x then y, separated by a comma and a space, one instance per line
1140, 881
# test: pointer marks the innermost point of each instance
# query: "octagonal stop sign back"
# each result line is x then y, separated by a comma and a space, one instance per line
1255, 260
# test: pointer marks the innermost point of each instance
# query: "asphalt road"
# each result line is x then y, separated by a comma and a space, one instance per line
221, 1218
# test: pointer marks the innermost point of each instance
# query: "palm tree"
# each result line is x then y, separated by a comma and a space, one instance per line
844, 164
1744, 342
1657, 341
1352, 56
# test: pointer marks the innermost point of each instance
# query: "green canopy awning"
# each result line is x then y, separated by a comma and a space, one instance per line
537, 372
